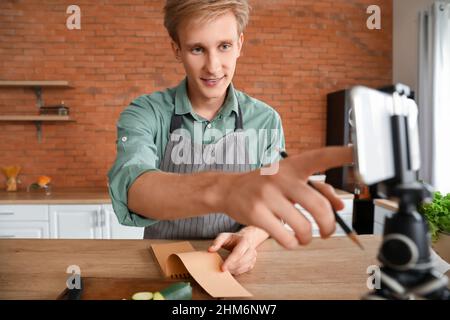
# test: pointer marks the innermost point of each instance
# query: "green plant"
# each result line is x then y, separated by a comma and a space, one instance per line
437, 214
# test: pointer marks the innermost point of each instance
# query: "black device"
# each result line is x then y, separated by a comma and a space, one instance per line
363, 215
339, 134
406, 265
72, 294
59, 109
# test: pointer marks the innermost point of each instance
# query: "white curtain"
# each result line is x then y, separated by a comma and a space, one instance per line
434, 95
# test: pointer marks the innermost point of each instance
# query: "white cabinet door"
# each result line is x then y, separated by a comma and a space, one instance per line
24, 221
115, 230
24, 229
24, 212
76, 221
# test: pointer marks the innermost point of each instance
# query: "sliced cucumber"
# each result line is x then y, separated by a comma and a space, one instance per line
158, 296
178, 291
142, 296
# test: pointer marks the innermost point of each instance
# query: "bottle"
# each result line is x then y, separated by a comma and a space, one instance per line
63, 110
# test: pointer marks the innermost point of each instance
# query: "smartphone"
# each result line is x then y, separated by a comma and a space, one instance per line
370, 121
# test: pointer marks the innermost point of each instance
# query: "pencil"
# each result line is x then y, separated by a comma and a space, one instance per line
349, 232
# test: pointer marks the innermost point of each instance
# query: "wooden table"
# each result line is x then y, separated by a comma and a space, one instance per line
326, 269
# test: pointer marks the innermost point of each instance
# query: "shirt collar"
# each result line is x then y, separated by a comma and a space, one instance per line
183, 104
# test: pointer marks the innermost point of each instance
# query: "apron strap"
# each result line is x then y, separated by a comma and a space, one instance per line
239, 125
175, 122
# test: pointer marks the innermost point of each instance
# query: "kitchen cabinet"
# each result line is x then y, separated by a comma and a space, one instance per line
76, 222
64, 221
24, 221
89, 222
24, 229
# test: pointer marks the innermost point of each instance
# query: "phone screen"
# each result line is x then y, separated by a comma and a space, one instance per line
371, 112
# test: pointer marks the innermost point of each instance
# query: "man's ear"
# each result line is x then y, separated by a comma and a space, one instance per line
240, 44
176, 50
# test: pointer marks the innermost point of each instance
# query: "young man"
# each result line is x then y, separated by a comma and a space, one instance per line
173, 173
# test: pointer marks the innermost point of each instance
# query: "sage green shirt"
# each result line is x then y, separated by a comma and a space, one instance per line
143, 132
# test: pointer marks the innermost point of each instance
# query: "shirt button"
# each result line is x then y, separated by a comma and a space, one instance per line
124, 139
209, 125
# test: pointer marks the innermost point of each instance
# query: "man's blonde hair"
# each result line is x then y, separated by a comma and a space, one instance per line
177, 11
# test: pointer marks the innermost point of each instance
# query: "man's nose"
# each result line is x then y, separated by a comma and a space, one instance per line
213, 63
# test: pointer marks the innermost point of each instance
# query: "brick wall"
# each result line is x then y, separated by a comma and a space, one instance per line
296, 51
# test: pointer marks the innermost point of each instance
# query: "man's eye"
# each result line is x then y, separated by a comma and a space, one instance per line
197, 50
226, 46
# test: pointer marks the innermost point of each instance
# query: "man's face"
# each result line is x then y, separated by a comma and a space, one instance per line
209, 52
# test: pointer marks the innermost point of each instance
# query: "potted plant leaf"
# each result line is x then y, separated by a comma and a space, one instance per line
437, 215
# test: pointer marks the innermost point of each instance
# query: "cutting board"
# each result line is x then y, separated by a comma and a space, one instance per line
94, 288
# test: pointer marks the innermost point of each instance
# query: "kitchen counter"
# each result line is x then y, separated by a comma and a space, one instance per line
344, 194
387, 204
76, 196
58, 196
326, 269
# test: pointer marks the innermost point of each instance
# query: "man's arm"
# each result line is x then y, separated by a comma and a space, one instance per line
174, 196
249, 198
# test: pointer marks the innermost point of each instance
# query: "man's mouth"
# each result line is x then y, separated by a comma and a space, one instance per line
211, 82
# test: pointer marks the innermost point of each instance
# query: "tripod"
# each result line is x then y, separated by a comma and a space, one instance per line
407, 270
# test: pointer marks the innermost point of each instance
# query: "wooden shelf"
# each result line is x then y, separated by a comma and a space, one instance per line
35, 118
37, 87
54, 83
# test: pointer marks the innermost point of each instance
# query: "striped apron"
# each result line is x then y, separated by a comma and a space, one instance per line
230, 153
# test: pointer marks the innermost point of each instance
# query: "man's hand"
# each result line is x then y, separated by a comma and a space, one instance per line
264, 200
242, 245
